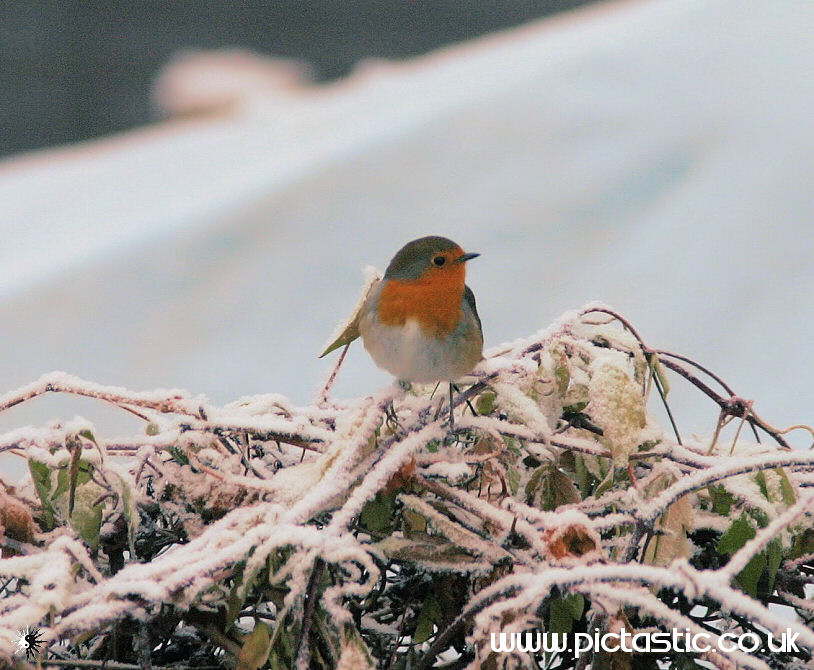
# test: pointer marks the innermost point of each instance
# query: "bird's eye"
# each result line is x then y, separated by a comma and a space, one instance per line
439, 260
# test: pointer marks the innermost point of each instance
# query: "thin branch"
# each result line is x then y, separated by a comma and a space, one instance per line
733, 406
59, 382
302, 649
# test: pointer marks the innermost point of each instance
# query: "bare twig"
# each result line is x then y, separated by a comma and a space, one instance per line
383, 506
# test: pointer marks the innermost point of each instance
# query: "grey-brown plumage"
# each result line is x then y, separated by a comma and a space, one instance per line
420, 321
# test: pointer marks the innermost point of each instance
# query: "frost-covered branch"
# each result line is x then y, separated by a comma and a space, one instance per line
366, 532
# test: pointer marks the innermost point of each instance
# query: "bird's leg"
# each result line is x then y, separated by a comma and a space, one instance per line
393, 419
390, 413
438, 411
468, 404
440, 404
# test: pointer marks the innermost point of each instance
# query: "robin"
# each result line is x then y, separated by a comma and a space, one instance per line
419, 322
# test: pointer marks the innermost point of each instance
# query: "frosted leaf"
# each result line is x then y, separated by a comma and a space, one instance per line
235, 506
124, 486
559, 366
255, 650
347, 331
549, 488
454, 472
577, 397
595, 465
521, 406
671, 541
354, 654
86, 518
616, 406
433, 552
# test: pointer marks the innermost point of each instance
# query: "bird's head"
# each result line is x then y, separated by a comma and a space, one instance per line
429, 260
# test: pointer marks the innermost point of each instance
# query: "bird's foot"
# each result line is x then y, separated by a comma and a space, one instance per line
392, 419
468, 402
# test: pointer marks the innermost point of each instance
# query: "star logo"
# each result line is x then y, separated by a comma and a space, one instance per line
29, 642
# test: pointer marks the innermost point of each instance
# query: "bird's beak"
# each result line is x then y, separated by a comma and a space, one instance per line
465, 257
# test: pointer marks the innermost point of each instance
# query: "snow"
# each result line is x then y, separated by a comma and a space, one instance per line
654, 155
562, 548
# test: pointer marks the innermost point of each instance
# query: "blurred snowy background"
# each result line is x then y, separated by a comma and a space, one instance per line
654, 155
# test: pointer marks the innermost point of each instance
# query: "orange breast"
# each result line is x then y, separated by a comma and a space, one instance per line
435, 303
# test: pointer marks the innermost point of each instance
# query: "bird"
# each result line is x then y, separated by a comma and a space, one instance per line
420, 321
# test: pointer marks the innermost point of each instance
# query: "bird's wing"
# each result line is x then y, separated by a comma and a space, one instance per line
470, 299
348, 331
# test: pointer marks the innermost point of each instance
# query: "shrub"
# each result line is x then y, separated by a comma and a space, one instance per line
367, 534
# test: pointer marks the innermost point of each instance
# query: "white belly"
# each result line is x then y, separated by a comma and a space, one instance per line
408, 354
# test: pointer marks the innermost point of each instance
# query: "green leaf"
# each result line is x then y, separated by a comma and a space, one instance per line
722, 499
582, 476
377, 514
429, 616
577, 603
83, 475
351, 330
575, 399
413, 522
87, 435
41, 476
749, 576
485, 404
549, 487
513, 479
774, 556
559, 617
178, 455
255, 650
276, 663
768, 561
512, 445
86, 518
563, 612
803, 544
760, 517
131, 515
738, 534
760, 479
62, 484
234, 602
73, 472
562, 374
605, 484
786, 488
